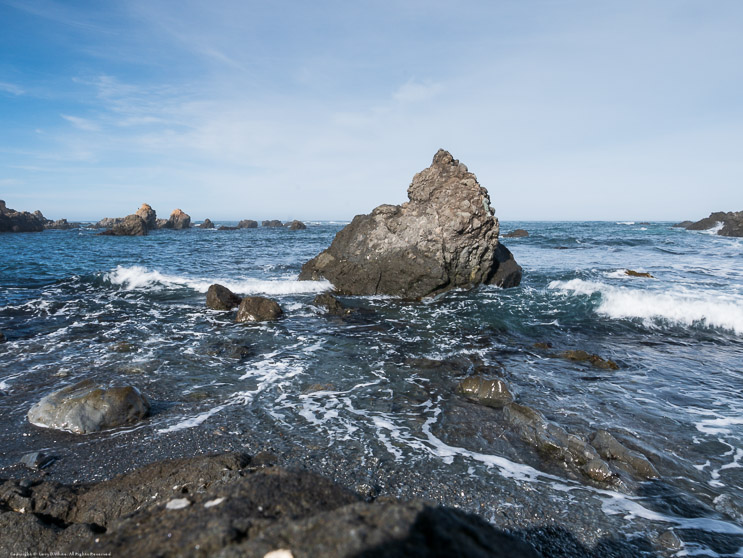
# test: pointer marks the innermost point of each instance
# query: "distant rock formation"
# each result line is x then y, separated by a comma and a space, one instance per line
518, 233
296, 226
207, 224
179, 220
108, 222
131, 225
732, 223
226, 228
247, 224
445, 237
148, 215
20, 221
683, 224
272, 223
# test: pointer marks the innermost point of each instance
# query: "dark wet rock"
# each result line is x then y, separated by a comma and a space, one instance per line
226, 228
631, 461
633, 273
37, 460
543, 345
131, 225
60, 225
332, 305
445, 236
708, 222
296, 226
594, 360
247, 224
231, 505
3, 339
682, 224
221, 298
123, 347
272, 223
493, 393
87, 407
258, 309
108, 222
207, 224
178, 220
148, 215
732, 225
230, 349
518, 233
20, 221
644, 223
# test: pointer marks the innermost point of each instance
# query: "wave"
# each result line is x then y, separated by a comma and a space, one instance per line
140, 278
679, 306
625, 222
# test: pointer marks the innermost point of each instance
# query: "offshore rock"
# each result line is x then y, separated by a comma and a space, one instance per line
247, 224
732, 223
60, 225
227, 228
221, 298
682, 224
131, 225
492, 393
108, 222
296, 226
272, 223
633, 273
3, 339
258, 309
332, 305
179, 220
518, 233
86, 407
207, 224
20, 221
148, 215
445, 236
594, 360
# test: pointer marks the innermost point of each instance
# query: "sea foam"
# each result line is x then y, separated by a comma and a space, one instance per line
677, 306
140, 278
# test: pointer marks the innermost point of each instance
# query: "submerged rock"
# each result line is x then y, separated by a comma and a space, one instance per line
595, 360
87, 407
633, 273
178, 220
296, 226
492, 393
131, 225
20, 221
258, 309
633, 462
3, 339
445, 236
37, 460
272, 223
518, 233
247, 224
221, 298
332, 305
148, 215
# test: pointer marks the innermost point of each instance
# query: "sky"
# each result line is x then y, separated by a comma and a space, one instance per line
232, 109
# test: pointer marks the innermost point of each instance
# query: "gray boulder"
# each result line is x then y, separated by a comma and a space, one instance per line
131, 225
178, 220
148, 215
296, 226
247, 224
272, 223
445, 237
518, 233
87, 407
258, 309
221, 298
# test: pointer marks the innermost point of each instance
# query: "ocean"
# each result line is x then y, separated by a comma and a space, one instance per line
370, 399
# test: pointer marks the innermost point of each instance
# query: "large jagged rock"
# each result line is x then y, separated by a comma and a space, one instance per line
732, 223
20, 221
87, 407
178, 220
445, 237
148, 215
131, 225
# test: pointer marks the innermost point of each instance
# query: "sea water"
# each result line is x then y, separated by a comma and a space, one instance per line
368, 387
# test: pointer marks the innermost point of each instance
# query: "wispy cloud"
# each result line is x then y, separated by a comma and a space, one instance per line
82, 123
11, 88
414, 91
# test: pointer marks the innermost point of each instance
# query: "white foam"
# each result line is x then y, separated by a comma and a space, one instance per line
625, 222
677, 305
714, 229
140, 278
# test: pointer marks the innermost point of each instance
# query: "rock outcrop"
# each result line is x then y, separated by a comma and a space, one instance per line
148, 215
296, 226
108, 222
247, 224
445, 236
131, 225
221, 298
489, 392
86, 407
179, 220
207, 224
272, 223
20, 221
258, 309
732, 223
518, 233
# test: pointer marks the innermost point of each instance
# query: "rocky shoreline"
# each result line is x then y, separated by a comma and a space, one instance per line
730, 223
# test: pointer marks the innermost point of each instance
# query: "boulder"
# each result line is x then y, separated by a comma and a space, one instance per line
131, 225
445, 236
492, 393
207, 224
179, 220
148, 215
258, 309
272, 223
296, 226
631, 461
332, 305
87, 407
247, 224
221, 298
518, 233
633, 273
108, 222
20, 221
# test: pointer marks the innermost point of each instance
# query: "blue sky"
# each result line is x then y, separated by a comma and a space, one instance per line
322, 110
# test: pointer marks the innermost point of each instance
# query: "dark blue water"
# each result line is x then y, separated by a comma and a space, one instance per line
67, 298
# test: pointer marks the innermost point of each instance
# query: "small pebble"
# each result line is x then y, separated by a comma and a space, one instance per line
214, 502
281, 553
178, 504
